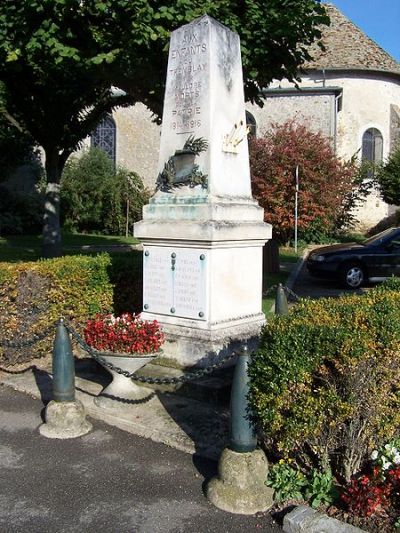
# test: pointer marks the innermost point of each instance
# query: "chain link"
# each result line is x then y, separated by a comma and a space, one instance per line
142, 379
24, 344
287, 290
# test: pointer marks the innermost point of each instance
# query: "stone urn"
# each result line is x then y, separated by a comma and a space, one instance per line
122, 390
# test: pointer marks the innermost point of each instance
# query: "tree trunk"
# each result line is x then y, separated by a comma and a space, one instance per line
51, 219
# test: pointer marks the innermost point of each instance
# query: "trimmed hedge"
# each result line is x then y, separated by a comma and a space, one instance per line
325, 381
34, 295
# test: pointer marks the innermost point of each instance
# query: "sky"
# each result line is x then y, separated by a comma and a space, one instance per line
379, 19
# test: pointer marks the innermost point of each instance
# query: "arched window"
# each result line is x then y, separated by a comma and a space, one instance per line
104, 137
251, 124
372, 146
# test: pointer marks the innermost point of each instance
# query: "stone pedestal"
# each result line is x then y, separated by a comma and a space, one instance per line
202, 231
65, 420
240, 486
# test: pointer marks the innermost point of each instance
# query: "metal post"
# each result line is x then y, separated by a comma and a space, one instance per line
63, 366
242, 435
281, 303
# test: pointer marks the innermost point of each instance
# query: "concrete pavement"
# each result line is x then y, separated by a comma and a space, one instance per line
108, 480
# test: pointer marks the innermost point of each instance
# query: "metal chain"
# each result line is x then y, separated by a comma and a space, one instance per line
155, 381
24, 344
291, 293
287, 290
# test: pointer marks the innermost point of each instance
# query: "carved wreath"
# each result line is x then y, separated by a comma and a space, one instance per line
167, 179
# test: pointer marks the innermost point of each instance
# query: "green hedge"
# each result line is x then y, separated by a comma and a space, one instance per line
33, 295
325, 382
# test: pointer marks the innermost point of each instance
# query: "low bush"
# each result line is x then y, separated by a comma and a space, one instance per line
97, 197
20, 212
325, 381
126, 275
33, 296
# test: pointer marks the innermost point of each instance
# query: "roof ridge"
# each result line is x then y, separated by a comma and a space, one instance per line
348, 47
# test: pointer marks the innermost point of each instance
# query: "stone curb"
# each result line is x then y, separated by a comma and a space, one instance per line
304, 519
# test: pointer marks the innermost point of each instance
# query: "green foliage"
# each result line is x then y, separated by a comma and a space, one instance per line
327, 186
325, 379
16, 148
34, 295
126, 276
94, 194
20, 212
287, 481
321, 489
59, 60
388, 178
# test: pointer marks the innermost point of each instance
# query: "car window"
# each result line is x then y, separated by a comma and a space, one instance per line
376, 239
395, 244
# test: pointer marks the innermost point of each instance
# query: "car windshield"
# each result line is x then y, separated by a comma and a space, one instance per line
376, 239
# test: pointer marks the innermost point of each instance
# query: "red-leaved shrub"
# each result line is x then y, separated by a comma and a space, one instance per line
326, 183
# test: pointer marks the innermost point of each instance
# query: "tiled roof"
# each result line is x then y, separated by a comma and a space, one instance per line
347, 47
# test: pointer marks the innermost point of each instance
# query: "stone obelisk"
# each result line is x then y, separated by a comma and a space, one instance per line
202, 231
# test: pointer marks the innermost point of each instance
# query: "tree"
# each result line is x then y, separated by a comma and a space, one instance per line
95, 194
16, 149
327, 184
388, 178
60, 58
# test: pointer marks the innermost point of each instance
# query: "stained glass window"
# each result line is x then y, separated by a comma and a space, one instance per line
372, 146
104, 137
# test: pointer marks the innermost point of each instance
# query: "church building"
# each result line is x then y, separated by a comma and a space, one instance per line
350, 91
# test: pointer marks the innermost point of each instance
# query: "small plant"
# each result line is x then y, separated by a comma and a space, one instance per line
127, 334
378, 491
387, 456
367, 495
321, 489
287, 481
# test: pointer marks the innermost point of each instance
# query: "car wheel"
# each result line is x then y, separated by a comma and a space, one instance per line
352, 275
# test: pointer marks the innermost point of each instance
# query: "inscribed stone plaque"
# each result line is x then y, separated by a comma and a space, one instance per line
174, 281
204, 99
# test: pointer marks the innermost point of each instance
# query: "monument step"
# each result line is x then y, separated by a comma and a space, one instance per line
213, 389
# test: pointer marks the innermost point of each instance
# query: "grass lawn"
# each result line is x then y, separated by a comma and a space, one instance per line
286, 255
28, 247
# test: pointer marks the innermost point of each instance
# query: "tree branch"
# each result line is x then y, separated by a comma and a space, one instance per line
13, 121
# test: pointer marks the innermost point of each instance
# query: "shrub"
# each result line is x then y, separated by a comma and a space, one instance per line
95, 194
20, 212
33, 296
327, 184
325, 381
126, 275
388, 177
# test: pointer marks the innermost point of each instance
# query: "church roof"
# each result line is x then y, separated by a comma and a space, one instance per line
348, 48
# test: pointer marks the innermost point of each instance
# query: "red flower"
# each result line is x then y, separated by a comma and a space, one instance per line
125, 334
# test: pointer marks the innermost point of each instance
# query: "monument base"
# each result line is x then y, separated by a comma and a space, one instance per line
65, 420
192, 343
240, 486
202, 279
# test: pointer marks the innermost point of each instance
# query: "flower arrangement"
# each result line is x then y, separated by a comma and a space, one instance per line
125, 334
376, 492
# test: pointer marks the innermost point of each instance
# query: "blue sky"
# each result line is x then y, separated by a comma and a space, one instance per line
379, 19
